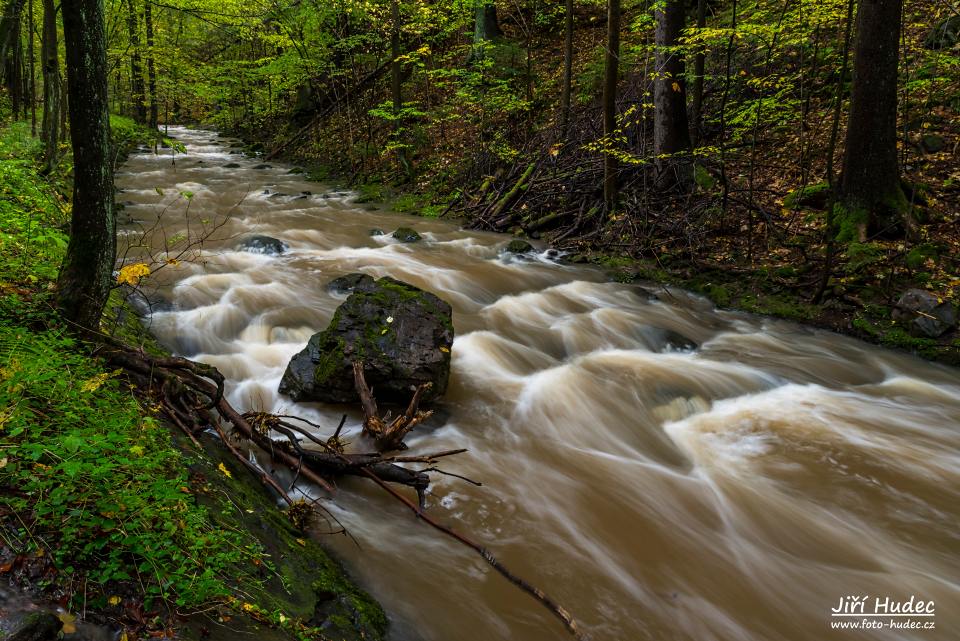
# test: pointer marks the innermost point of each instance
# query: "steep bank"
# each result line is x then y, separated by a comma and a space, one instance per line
108, 513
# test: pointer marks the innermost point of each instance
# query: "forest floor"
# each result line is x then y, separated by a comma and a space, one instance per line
110, 518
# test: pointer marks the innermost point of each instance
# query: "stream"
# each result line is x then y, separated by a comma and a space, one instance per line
663, 469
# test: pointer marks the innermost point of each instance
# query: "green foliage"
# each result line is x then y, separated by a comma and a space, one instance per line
97, 481
31, 212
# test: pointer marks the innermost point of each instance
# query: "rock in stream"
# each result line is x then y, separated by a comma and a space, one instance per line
402, 334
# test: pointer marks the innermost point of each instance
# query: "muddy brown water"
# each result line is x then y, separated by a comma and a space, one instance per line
733, 491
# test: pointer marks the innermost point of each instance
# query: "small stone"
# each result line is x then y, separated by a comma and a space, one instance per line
263, 166
406, 235
924, 314
350, 283
263, 245
376, 232
232, 165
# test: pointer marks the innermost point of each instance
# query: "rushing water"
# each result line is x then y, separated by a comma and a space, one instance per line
732, 491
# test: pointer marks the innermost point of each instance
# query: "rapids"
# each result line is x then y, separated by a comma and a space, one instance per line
735, 490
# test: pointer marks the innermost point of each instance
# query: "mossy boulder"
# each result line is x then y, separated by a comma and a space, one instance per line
402, 335
518, 246
406, 235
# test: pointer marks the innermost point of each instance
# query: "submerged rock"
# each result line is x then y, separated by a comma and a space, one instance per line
402, 334
264, 166
376, 232
406, 235
232, 165
351, 283
263, 245
924, 314
519, 246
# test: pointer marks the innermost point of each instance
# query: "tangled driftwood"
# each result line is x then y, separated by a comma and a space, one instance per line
190, 394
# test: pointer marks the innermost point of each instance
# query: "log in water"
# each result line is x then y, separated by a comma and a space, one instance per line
663, 469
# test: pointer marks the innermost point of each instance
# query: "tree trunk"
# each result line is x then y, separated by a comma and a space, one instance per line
136, 66
50, 67
12, 54
699, 62
396, 79
33, 71
871, 198
671, 134
485, 30
610, 103
9, 35
151, 67
566, 87
84, 281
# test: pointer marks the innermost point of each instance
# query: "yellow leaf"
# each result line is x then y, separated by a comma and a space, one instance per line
69, 622
94, 383
114, 600
226, 472
444, 349
131, 274
302, 542
676, 86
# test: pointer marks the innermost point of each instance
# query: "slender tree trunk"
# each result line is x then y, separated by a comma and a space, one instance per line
50, 66
611, 71
33, 71
671, 133
566, 87
85, 276
13, 64
871, 197
136, 66
699, 62
829, 251
151, 67
396, 78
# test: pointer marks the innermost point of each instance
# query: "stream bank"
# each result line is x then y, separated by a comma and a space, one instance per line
854, 305
84, 461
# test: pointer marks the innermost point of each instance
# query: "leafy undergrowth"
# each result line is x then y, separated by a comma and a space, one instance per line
101, 509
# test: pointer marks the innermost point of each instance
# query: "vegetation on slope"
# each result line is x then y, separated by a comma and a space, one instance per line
102, 509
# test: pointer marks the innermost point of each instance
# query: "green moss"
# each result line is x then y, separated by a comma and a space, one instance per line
330, 360
812, 196
917, 256
371, 192
848, 221
719, 294
779, 305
